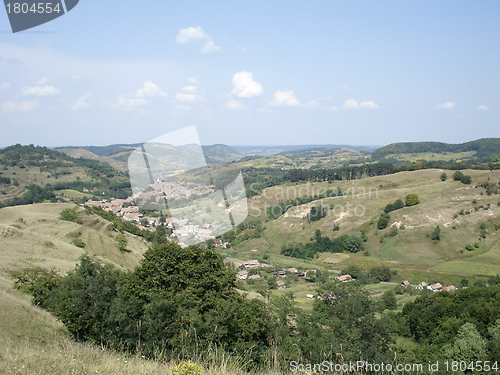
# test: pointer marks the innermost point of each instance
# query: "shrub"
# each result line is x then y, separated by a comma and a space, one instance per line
187, 368
469, 247
79, 243
457, 176
436, 235
412, 199
122, 241
383, 222
69, 214
444, 176
467, 180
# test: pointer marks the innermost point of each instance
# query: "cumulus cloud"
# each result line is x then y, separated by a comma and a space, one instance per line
245, 86
5, 86
194, 35
150, 90
370, 105
350, 104
333, 108
81, 102
40, 91
131, 102
353, 104
192, 80
284, 98
188, 98
20, 106
210, 47
447, 105
190, 88
483, 107
184, 107
43, 81
235, 105
191, 35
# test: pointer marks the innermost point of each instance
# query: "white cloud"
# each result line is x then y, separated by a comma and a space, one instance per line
150, 90
447, 105
43, 81
350, 104
345, 88
192, 80
242, 49
5, 86
312, 104
210, 47
188, 98
81, 102
190, 88
20, 106
333, 108
184, 107
284, 98
131, 102
235, 105
353, 104
483, 107
40, 91
191, 35
370, 105
245, 86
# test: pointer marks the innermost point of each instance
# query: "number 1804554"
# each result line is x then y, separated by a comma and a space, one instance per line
34, 8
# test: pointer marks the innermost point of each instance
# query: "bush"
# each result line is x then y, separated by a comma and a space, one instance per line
412, 199
457, 176
383, 222
394, 206
187, 368
122, 242
436, 235
469, 247
79, 243
69, 214
467, 180
444, 176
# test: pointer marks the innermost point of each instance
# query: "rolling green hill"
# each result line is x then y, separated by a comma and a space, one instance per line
22, 166
481, 147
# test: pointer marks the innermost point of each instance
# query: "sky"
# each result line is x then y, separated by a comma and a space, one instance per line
254, 73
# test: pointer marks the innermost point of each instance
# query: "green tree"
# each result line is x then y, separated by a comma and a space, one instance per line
467, 179
436, 235
412, 199
68, 214
444, 176
122, 242
383, 221
468, 345
389, 299
457, 176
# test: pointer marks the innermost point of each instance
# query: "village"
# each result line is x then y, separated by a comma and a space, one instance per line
129, 209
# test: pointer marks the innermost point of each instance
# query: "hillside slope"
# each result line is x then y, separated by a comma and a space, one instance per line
457, 208
482, 148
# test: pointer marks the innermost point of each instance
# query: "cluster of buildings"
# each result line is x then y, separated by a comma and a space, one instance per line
128, 209
171, 191
436, 287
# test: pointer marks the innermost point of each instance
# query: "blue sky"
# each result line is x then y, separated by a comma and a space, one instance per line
254, 73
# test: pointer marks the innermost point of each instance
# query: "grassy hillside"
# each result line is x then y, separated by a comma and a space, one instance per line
21, 166
480, 148
457, 208
32, 341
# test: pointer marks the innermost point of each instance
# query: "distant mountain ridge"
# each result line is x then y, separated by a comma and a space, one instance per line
484, 147
282, 149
